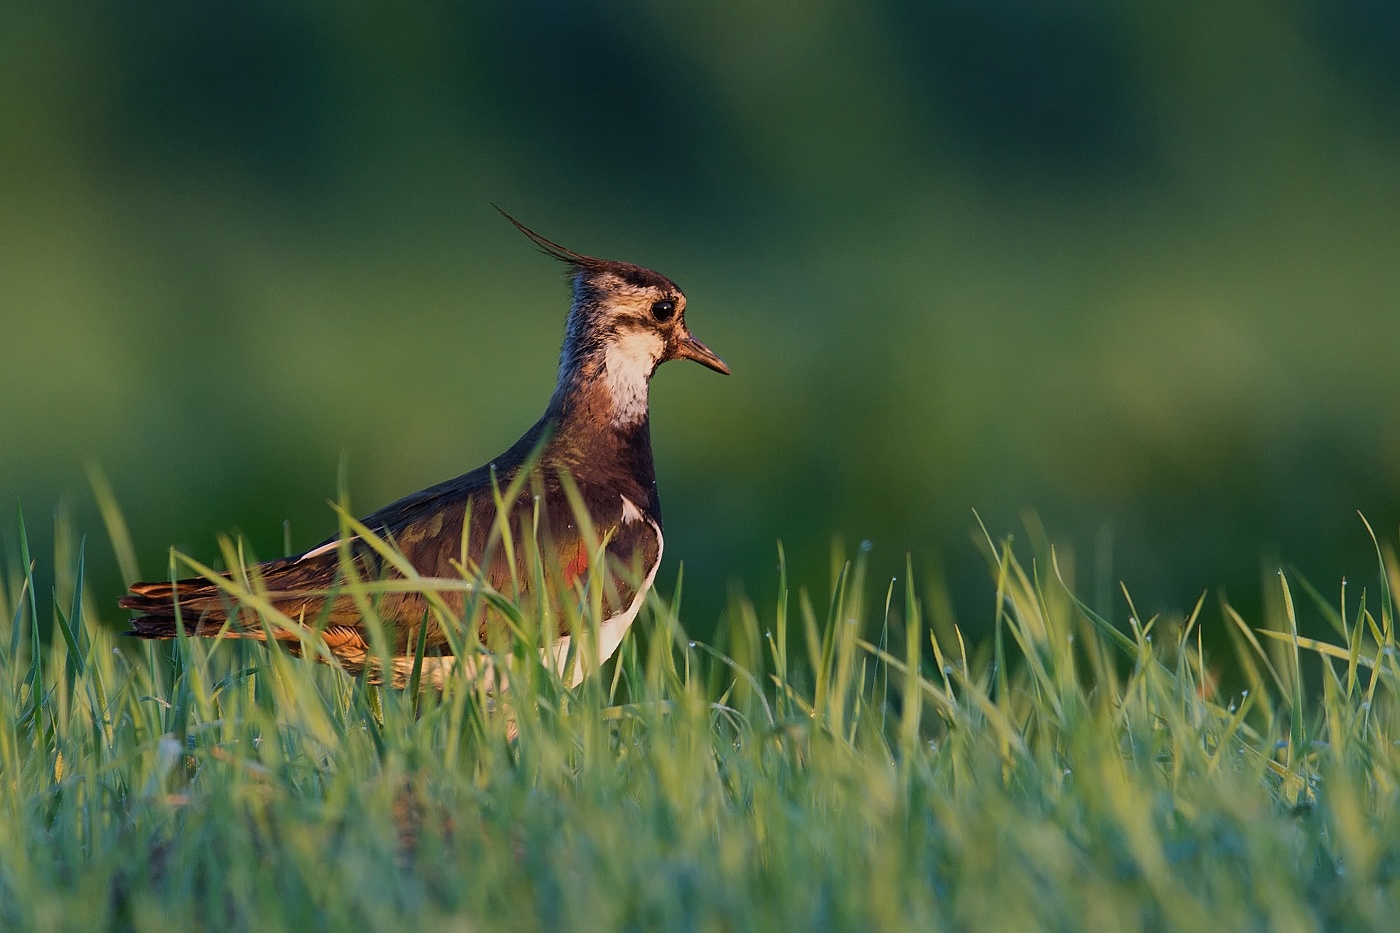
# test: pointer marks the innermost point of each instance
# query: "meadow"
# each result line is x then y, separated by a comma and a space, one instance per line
1129, 268
842, 759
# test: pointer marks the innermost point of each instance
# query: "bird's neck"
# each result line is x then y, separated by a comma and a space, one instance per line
600, 431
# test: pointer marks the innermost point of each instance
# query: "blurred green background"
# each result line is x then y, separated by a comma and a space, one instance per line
1136, 267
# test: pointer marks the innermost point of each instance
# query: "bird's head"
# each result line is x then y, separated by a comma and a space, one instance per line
624, 322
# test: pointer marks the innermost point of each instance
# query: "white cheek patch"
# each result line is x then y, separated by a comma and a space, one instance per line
630, 360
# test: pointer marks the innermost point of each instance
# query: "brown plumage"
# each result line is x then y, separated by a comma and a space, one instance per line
595, 433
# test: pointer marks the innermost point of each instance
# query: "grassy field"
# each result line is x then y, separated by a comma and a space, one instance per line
841, 760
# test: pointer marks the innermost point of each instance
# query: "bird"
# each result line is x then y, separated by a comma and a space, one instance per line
579, 485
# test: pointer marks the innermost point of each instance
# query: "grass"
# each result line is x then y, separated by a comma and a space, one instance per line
842, 762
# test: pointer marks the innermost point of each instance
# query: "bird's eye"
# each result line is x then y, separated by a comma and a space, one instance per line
663, 309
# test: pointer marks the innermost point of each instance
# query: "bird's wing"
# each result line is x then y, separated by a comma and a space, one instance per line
444, 533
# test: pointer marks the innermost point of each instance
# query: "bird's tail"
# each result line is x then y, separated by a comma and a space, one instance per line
203, 609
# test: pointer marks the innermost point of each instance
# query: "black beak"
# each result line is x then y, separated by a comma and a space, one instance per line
691, 349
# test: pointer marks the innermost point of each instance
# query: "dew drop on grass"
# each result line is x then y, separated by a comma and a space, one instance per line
692, 644
867, 545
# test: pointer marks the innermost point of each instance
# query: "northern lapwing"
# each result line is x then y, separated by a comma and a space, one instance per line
590, 453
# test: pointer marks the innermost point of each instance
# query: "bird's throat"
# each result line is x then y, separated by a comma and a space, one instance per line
628, 362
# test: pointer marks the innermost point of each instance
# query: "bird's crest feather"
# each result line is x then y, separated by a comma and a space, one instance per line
550, 248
